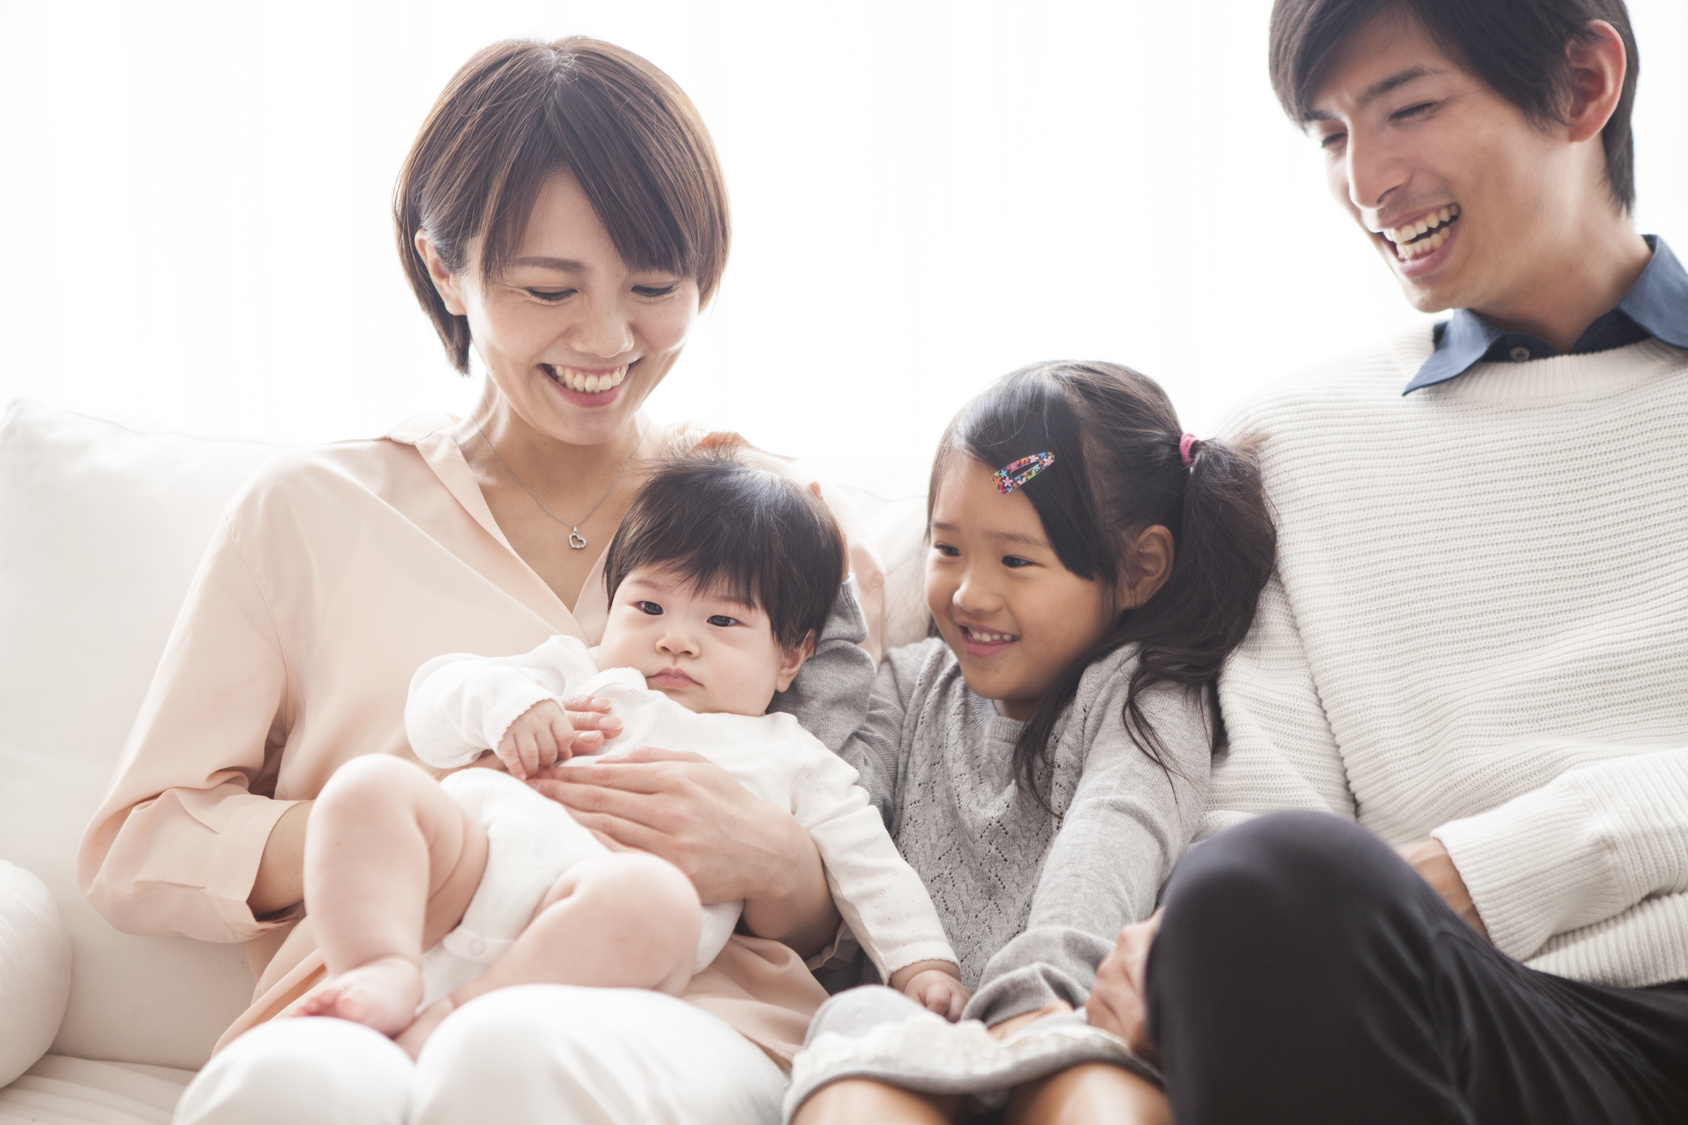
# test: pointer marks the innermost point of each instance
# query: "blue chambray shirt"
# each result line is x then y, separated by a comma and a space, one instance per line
1656, 306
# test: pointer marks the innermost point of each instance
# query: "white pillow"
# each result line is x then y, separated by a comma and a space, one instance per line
101, 529
34, 970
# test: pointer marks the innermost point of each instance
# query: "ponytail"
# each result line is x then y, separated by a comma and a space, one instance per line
1124, 465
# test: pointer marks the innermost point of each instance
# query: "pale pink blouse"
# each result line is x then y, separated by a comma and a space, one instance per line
333, 576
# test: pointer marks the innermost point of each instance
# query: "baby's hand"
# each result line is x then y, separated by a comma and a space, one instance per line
541, 736
935, 986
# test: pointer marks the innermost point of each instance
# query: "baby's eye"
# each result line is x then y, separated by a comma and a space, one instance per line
721, 620
649, 607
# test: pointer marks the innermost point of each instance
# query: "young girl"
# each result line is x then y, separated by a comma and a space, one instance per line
1042, 760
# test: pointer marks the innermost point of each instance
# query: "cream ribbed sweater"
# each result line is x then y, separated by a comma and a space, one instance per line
1478, 631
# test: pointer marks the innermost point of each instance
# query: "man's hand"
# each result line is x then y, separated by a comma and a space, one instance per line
540, 737
1119, 1003
1433, 864
935, 986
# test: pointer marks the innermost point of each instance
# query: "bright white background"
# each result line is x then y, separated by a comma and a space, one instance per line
925, 195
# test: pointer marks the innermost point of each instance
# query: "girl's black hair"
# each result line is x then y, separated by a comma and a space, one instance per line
1118, 470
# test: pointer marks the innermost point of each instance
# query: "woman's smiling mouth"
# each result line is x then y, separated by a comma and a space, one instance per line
586, 382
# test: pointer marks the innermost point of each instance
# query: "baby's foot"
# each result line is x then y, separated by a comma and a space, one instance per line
382, 994
413, 1037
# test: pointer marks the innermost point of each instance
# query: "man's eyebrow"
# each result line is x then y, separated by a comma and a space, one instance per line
1377, 89
568, 265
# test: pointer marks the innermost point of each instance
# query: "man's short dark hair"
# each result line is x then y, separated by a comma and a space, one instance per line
756, 536
1518, 49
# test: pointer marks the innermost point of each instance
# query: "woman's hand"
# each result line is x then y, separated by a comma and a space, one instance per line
729, 842
1435, 866
1119, 1003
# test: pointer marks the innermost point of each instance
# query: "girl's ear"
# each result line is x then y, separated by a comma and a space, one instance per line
793, 660
1148, 564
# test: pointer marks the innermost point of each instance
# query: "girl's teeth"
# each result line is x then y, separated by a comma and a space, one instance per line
585, 381
989, 638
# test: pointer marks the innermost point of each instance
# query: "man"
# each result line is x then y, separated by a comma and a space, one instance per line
1476, 645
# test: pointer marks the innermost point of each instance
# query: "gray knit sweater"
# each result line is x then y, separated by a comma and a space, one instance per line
1031, 902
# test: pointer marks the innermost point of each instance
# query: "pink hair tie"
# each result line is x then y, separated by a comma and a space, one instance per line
1185, 444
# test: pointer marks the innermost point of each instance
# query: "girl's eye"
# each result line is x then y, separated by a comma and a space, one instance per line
1015, 562
946, 550
549, 295
656, 290
721, 620
649, 607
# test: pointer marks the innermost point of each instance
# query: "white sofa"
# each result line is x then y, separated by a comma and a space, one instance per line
100, 531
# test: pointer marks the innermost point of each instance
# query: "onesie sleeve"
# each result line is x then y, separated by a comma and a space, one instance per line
882, 899
175, 846
1128, 822
460, 704
1281, 752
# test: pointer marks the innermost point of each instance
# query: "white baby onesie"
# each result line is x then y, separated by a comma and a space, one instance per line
460, 705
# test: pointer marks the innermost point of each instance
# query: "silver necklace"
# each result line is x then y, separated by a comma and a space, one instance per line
576, 540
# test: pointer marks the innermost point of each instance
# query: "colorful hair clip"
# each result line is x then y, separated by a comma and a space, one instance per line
1007, 480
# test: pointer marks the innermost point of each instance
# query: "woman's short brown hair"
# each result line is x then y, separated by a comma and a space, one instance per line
521, 110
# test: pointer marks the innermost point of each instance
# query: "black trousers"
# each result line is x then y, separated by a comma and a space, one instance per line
1304, 973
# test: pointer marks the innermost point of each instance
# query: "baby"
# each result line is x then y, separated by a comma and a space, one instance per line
426, 894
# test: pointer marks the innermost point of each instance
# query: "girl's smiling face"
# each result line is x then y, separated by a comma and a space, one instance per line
1012, 614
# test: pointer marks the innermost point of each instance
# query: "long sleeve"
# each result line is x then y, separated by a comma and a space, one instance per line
460, 704
1585, 847
176, 845
830, 694
882, 899
1281, 752
1126, 825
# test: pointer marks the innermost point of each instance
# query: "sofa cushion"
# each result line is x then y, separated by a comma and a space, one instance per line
101, 529
65, 1091
34, 970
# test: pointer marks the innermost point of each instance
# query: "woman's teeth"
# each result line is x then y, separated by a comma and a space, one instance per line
1415, 240
576, 380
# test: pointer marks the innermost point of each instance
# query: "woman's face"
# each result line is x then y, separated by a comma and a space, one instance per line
572, 339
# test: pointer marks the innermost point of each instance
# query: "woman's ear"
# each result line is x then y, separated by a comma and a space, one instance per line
445, 282
1148, 564
793, 660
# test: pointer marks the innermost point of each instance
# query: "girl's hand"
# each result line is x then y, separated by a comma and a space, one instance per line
729, 842
1014, 1023
1119, 1003
935, 986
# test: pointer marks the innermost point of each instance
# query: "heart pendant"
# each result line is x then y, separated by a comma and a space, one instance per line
577, 540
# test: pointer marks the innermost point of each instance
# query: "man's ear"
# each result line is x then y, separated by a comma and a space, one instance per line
1598, 66
1148, 564
793, 660
445, 282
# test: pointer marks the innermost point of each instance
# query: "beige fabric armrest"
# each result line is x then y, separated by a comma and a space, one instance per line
34, 970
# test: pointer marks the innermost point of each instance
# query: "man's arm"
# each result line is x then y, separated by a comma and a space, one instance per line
1281, 753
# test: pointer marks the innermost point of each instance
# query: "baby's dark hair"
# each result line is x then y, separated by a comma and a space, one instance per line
757, 536
1118, 470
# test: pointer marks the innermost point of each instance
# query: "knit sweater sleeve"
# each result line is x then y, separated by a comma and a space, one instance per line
876, 748
1127, 824
1585, 847
830, 694
1281, 752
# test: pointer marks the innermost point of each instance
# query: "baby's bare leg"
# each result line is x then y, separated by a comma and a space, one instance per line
391, 862
628, 920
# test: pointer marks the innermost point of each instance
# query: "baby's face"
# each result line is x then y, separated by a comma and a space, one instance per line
701, 648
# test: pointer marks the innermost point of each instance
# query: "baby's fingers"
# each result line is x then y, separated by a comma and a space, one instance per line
528, 747
568, 740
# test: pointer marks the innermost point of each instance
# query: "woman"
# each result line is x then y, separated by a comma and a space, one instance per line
562, 214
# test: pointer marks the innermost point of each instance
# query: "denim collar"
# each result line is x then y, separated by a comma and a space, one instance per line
1656, 306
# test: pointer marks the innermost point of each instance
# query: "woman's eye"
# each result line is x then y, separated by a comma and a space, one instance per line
656, 290
551, 295
721, 620
649, 607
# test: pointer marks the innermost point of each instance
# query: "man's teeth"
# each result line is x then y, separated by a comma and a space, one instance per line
576, 380
989, 638
1410, 241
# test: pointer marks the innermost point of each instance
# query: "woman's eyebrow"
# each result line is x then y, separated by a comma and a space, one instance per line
568, 265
